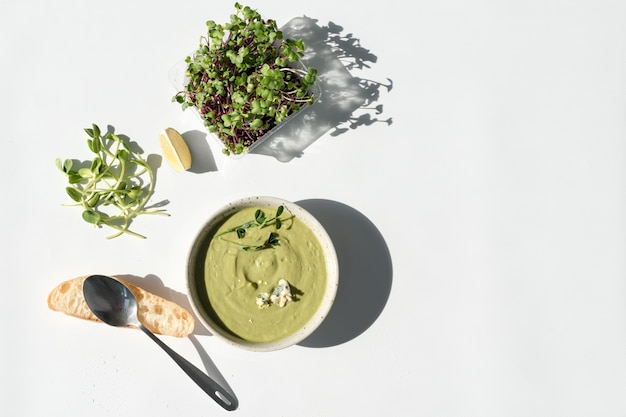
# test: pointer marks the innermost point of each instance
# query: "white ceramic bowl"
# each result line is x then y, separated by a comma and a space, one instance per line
196, 272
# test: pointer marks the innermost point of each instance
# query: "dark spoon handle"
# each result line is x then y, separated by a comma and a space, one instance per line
215, 391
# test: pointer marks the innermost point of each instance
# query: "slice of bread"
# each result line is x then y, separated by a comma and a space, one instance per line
159, 315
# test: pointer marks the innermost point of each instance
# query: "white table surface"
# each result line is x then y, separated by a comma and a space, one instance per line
480, 218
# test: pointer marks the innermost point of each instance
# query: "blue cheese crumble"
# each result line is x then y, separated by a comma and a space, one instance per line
263, 300
281, 295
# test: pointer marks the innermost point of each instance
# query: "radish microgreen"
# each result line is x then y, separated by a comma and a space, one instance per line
242, 81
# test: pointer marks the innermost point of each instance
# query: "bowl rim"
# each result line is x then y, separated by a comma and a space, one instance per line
199, 243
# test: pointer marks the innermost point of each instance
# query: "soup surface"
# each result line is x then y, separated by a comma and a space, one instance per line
237, 279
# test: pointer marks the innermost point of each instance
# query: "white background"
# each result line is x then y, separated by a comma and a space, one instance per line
481, 231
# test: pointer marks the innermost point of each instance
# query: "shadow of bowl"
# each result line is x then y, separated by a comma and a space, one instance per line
365, 273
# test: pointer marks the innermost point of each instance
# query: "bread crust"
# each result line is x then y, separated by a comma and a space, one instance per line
159, 315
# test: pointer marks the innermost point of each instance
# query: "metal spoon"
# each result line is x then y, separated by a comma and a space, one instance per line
115, 304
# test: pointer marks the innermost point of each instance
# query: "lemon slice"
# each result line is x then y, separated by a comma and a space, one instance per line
175, 150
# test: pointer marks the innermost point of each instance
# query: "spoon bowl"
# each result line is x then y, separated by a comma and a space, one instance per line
116, 305
111, 301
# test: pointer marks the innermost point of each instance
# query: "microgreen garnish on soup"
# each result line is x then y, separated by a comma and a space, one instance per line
260, 220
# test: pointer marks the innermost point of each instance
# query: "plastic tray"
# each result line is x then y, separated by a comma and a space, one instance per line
179, 80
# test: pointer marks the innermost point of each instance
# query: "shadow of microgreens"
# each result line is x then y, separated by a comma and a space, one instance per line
346, 102
365, 273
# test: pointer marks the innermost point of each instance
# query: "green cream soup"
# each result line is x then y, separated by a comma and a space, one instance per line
236, 279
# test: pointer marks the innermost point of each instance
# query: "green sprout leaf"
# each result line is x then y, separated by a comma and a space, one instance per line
256, 123
74, 193
260, 220
91, 216
259, 217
